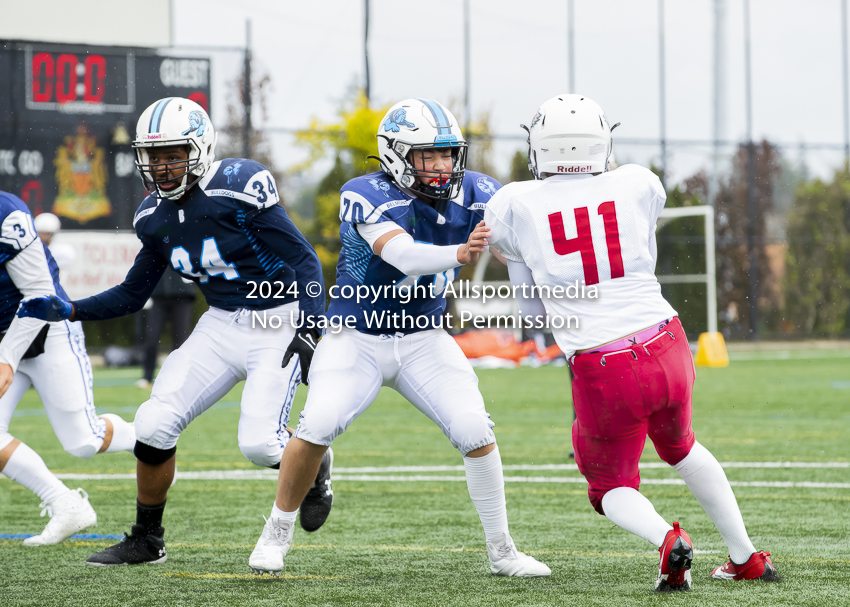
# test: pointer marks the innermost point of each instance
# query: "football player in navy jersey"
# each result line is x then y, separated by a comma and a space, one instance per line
219, 224
53, 360
405, 233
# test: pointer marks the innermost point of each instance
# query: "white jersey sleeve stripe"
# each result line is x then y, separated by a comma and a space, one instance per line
31, 275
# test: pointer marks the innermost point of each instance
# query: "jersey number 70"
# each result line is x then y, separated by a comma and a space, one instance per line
583, 242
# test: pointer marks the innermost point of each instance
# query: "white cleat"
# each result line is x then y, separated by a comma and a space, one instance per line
505, 559
70, 514
272, 547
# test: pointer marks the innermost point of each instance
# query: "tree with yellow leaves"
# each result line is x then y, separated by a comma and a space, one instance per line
350, 141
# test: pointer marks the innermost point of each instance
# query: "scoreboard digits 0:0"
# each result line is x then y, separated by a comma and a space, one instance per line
79, 82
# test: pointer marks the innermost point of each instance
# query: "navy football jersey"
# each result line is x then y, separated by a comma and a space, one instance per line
228, 235
376, 198
16, 233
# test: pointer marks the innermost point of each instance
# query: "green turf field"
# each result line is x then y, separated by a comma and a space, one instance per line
419, 542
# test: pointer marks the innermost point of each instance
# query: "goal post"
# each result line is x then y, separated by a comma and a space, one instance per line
708, 277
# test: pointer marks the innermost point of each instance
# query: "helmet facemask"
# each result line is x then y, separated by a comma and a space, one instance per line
174, 122
155, 175
444, 185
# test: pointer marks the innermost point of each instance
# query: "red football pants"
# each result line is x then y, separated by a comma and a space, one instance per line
622, 396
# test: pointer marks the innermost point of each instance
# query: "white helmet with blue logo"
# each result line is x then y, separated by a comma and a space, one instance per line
419, 124
175, 121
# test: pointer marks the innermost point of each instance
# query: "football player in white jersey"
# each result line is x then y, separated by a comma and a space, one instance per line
410, 225
53, 360
579, 225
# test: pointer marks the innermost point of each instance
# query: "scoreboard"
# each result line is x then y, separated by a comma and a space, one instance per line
67, 117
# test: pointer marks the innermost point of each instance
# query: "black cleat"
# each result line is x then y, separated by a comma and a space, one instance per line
317, 505
137, 548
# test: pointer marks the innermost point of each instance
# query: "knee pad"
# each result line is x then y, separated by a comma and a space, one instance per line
151, 455
263, 455
5, 439
470, 431
156, 425
319, 429
84, 451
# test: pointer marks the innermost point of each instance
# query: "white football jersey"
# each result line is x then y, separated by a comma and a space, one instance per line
592, 232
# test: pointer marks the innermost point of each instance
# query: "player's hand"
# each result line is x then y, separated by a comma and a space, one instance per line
304, 345
6, 377
475, 245
51, 308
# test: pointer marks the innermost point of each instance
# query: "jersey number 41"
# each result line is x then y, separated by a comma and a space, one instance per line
583, 242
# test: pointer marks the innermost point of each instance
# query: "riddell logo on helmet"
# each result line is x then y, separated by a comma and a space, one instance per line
154, 136
575, 169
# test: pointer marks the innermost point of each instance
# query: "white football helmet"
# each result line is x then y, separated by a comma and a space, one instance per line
47, 223
175, 121
414, 125
569, 134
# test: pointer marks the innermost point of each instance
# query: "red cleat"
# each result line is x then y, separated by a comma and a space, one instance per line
758, 567
677, 553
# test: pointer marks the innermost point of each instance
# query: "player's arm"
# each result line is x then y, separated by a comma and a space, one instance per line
128, 297
529, 301
498, 255
504, 242
275, 230
31, 276
397, 248
265, 220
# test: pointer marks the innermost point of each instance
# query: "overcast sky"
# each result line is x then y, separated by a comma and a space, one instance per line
313, 53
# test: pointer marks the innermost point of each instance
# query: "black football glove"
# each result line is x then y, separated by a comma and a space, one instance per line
304, 345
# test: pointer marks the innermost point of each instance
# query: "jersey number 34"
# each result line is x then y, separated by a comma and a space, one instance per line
583, 242
211, 262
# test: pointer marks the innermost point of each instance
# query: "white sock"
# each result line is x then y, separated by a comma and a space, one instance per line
278, 513
705, 478
486, 485
630, 510
123, 434
26, 467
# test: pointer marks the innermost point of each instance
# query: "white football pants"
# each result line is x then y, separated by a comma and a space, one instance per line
62, 377
427, 368
224, 349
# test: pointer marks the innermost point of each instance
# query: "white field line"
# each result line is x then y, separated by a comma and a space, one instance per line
766, 355
581, 480
362, 474
646, 466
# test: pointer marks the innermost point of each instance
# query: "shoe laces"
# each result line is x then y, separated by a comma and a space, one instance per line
276, 536
506, 550
133, 538
51, 509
